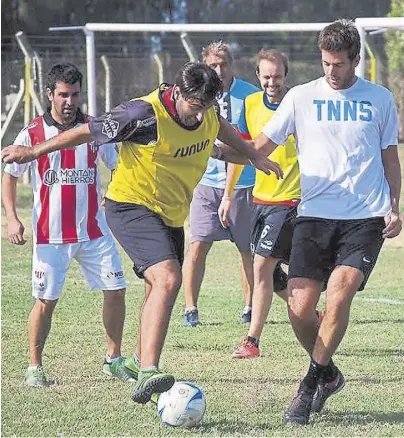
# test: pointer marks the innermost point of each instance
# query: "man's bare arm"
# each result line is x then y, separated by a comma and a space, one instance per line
264, 145
15, 228
237, 150
392, 171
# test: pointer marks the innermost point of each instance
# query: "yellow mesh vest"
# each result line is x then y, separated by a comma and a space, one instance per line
268, 188
163, 175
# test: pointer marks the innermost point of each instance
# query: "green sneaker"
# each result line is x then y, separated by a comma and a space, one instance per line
117, 369
35, 377
150, 382
131, 366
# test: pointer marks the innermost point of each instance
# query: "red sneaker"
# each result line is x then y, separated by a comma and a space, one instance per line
246, 350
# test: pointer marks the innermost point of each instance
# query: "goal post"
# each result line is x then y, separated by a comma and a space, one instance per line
364, 25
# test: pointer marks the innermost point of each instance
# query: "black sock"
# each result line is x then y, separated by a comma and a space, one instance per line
255, 341
313, 376
330, 372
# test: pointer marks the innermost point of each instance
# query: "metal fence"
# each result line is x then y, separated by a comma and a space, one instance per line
134, 71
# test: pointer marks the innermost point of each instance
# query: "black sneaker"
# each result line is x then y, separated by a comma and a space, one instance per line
325, 390
299, 410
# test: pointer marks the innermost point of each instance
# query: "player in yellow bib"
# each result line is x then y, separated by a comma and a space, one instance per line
274, 200
166, 139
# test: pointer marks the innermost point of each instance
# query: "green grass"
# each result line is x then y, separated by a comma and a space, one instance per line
244, 398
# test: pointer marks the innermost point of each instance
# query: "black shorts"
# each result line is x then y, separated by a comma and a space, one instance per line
272, 230
319, 245
143, 235
280, 279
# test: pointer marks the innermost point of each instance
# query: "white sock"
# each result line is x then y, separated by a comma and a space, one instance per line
109, 360
190, 309
152, 368
247, 309
136, 359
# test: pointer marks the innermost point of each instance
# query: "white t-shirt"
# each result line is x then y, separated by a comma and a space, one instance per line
339, 136
66, 186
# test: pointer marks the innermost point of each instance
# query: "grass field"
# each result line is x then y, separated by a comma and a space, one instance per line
244, 398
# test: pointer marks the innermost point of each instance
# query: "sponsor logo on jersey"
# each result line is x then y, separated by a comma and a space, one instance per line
343, 110
186, 151
118, 274
31, 125
146, 122
69, 177
110, 126
39, 274
50, 177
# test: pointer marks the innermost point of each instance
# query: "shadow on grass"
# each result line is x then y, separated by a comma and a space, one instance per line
361, 417
371, 352
231, 428
377, 321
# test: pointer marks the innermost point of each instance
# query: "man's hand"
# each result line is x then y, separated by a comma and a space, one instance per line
17, 154
266, 165
393, 225
223, 211
15, 231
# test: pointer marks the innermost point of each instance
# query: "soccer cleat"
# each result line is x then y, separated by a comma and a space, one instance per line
116, 368
149, 383
155, 398
299, 410
246, 350
246, 317
35, 377
191, 318
131, 367
326, 390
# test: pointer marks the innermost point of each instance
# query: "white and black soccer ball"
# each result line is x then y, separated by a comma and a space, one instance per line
182, 406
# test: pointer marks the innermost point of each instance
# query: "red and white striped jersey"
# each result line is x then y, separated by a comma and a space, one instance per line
66, 186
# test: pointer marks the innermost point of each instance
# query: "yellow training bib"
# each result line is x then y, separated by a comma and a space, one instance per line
163, 175
267, 188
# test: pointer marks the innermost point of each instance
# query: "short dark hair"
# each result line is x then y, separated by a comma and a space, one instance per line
196, 80
272, 55
340, 35
67, 73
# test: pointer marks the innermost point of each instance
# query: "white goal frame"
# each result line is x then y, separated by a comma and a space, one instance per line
364, 25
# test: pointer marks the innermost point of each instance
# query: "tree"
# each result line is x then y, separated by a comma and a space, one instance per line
395, 56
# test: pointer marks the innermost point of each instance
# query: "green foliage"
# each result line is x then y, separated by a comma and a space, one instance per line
395, 40
395, 56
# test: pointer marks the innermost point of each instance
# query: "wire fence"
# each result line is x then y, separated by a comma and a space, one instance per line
134, 71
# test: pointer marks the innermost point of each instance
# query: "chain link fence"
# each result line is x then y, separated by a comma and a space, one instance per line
134, 72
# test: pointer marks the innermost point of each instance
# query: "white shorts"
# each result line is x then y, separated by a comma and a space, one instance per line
98, 259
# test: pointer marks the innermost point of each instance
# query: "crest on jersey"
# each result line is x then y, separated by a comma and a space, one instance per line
50, 177
110, 126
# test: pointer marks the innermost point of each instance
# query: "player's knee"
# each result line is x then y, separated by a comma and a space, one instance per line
198, 250
169, 281
114, 296
301, 302
264, 266
46, 307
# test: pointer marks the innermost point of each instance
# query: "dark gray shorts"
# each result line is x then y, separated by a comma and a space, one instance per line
146, 239
204, 219
272, 230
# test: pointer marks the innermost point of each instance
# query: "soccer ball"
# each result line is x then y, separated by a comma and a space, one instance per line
182, 406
